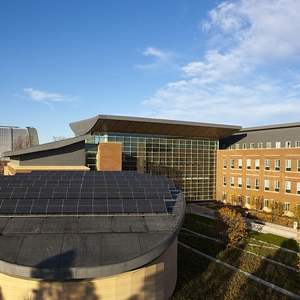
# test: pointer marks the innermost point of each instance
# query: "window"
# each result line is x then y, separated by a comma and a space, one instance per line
298, 165
267, 164
237, 146
257, 164
297, 143
244, 146
260, 145
277, 145
247, 199
266, 203
240, 163
232, 163
288, 144
240, 182
224, 197
298, 188
277, 164
225, 163
288, 187
267, 184
276, 185
231, 181
251, 145
269, 145
248, 163
224, 180
288, 164
248, 183
257, 184
287, 206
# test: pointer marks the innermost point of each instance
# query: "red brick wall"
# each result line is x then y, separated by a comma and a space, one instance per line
109, 156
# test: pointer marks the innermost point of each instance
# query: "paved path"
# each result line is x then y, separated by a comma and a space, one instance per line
283, 231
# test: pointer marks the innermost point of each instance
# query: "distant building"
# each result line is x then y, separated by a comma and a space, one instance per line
10, 134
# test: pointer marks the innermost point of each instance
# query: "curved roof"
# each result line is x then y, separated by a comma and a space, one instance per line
134, 125
58, 225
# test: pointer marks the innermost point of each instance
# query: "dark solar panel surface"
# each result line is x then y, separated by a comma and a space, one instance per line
69, 192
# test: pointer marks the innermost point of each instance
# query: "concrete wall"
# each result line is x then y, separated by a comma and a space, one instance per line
155, 281
109, 156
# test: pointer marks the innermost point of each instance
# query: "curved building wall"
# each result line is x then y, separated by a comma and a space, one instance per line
155, 281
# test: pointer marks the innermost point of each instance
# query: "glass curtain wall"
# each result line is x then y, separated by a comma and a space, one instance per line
190, 163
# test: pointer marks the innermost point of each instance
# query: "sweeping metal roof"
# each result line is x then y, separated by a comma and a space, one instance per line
134, 125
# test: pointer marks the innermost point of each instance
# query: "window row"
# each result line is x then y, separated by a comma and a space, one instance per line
259, 145
238, 163
256, 184
266, 202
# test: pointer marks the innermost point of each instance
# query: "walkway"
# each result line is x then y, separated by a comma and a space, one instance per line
283, 231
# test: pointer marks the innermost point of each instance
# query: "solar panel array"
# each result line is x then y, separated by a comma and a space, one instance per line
75, 192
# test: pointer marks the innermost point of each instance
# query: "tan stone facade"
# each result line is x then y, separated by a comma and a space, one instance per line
155, 281
109, 157
273, 173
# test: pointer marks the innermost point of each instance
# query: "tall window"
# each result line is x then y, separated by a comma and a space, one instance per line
251, 145
232, 163
298, 188
288, 187
224, 180
277, 145
240, 182
288, 165
231, 181
244, 146
267, 184
224, 196
257, 164
277, 164
225, 163
298, 165
257, 184
260, 145
276, 185
267, 164
247, 199
288, 144
269, 145
266, 203
248, 163
240, 163
287, 206
297, 143
248, 183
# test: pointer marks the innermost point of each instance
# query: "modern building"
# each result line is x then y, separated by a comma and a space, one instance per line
11, 137
261, 162
88, 235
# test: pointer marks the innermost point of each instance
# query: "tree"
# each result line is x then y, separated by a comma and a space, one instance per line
296, 212
232, 225
276, 209
58, 138
22, 141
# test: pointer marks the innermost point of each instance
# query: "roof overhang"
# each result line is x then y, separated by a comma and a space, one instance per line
135, 125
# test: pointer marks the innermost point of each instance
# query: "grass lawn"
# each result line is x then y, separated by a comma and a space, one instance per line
200, 278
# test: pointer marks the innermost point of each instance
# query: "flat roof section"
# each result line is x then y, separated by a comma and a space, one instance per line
135, 125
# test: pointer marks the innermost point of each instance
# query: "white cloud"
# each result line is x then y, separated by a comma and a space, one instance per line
161, 59
46, 97
250, 73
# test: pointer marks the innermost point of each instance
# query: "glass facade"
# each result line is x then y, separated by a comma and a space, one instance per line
190, 163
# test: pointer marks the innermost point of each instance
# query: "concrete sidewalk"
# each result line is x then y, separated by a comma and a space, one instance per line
264, 227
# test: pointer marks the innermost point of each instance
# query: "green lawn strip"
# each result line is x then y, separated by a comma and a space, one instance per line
200, 278
278, 275
271, 252
275, 240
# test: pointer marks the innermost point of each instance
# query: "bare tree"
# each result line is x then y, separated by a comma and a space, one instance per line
21, 142
58, 138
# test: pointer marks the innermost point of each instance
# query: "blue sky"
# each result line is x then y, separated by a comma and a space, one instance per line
227, 62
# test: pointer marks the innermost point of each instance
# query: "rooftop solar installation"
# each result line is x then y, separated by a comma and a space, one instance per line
84, 193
